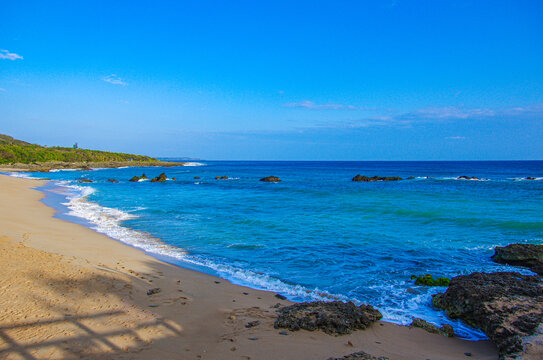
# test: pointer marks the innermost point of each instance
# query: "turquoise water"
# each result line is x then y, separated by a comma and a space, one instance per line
316, 234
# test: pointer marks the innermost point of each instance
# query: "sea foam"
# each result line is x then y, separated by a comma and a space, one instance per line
108, 221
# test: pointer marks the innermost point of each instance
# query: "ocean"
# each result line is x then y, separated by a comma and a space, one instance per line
317, 235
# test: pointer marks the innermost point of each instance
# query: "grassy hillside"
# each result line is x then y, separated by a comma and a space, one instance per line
17, 151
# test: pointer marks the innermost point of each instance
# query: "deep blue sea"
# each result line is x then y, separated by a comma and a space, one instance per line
317, 234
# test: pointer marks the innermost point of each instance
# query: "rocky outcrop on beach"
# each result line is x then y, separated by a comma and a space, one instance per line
160, 178
376, 178
526, 255
445, 330
464, 177
271, 179
336, 317
360, 356
86, 168
506, 306
138, 178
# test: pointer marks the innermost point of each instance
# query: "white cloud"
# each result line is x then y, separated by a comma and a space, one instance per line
114, 79
4, 54
307, 104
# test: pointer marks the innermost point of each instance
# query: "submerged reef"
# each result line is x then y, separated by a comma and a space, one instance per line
428, 280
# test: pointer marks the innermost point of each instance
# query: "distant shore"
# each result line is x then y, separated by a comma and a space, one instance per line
71, 292
48, 166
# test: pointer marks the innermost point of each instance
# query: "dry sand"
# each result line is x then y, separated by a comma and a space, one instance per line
68, 292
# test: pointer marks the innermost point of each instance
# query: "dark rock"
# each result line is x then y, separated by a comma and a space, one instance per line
221, 177
252, 324
253, 338
410, 178
153, 291
428, 280
283, 333
334, 317
174, 179
445, 330
84, 181
376, 178
276, 306
506, 306
86, 168
467, 353
530, 178
464, 177
113, 180
153, 305
160, 178
271, 179
527, 255
138, 178
197, 177
280, 297
360, 356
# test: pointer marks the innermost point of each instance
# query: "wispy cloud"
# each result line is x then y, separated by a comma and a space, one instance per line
5, 54
307, 104
114, 79
434, 115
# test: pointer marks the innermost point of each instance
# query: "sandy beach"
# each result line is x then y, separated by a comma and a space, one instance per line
68, 292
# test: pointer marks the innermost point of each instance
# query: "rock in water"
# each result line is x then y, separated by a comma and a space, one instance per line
138, 178
527, 255
334, 317
428, 280
113, 180
464, 177
506, 306
160, 178
84, 181
271, 179
376, 178
221, 177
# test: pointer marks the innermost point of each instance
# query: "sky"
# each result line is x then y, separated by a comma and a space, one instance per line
277, 80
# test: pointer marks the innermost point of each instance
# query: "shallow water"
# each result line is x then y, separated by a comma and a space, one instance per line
317, 234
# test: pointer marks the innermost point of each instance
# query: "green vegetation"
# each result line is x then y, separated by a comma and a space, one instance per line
428, 280
16, 151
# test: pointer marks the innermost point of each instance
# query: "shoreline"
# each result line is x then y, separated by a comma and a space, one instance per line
48, 166
205, 315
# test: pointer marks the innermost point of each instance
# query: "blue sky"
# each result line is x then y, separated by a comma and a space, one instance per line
292, 80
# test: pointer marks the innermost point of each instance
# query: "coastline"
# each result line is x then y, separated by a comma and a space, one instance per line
52, 165
199, 317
